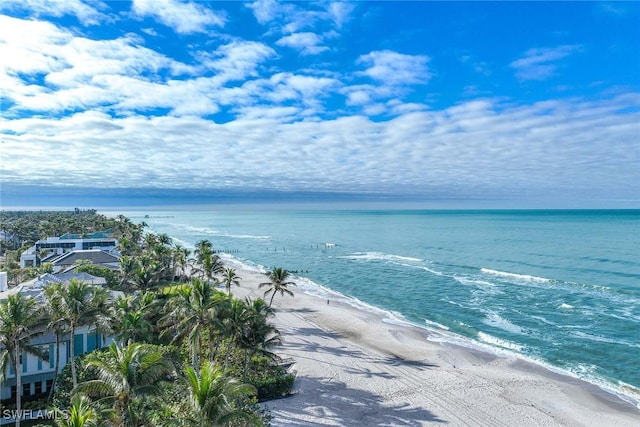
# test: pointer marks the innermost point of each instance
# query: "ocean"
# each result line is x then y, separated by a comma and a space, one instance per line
559, 288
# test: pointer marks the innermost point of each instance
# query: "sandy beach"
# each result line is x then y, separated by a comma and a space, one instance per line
354, 368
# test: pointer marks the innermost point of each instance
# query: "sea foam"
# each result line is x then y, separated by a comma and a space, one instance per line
523, 277
379, 256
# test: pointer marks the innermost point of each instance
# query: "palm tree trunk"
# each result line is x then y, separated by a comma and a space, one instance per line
271, 300
18, 366
57, 366
248, 356
74, 374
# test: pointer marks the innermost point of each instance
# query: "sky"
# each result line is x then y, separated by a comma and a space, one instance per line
500, 104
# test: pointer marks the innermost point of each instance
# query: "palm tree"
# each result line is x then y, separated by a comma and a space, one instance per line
229, 278
203, 247
146, 273
235, 321
123, 375
128, 267
259, 335
81, 304
210, 266
80, 414
131, 318
190, 313
278, 283
213, 397
19, 316
180, 259
57, 322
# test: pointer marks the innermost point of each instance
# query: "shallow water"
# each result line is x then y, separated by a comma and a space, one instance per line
560, 287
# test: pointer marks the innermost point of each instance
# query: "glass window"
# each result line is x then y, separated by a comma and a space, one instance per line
26, 389
52, 356
38, 387
78, 344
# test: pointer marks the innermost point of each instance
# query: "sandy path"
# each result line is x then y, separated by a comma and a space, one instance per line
355, 369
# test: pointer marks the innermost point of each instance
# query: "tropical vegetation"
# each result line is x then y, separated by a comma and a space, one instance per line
183, 351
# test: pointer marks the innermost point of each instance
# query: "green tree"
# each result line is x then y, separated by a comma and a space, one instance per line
19, 317
124, 375
80, 414
189, 315
147, 272
214, 398
230, 277
210, 266
203, 247
57, 322
259, 336
236, 320
82, 304
180, 260
127, 267
278, 282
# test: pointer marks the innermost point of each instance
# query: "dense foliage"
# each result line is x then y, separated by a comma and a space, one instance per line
184, 351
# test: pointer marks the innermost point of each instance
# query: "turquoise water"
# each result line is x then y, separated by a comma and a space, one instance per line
558, 287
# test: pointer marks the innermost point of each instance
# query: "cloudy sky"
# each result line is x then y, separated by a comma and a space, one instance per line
522, 104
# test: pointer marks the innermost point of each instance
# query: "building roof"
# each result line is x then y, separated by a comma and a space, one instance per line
106, 234
34, 287
95, 256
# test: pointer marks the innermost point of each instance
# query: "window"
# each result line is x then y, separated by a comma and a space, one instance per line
24, 359
26, 389
93, 341
78, 345
13, 392
52, 357
49, 384
38, 389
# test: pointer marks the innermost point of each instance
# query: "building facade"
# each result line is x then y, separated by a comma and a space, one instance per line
68, 242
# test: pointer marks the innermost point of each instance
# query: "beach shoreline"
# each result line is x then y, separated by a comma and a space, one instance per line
355, 368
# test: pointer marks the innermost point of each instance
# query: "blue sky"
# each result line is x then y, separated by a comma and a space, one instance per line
486, 104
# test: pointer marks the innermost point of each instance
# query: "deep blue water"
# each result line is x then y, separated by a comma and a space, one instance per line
559, 287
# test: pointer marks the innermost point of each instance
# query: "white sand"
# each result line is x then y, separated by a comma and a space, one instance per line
354, 369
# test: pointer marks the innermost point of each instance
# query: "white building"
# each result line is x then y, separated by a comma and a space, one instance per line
66, 243
38, 373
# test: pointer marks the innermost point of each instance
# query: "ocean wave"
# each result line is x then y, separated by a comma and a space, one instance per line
565, 306
599, 338
245, 236
379, 256
218, 233
523, 277
200, 230
495, 341
436, 324
471, 281
495, 320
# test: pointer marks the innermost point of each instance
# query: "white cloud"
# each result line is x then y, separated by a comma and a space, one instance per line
183, 17
86, 14
265, 11
395, 68
541, 63
340, 12
480, 148
53, 70
238, 59
306, 43
298, 26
